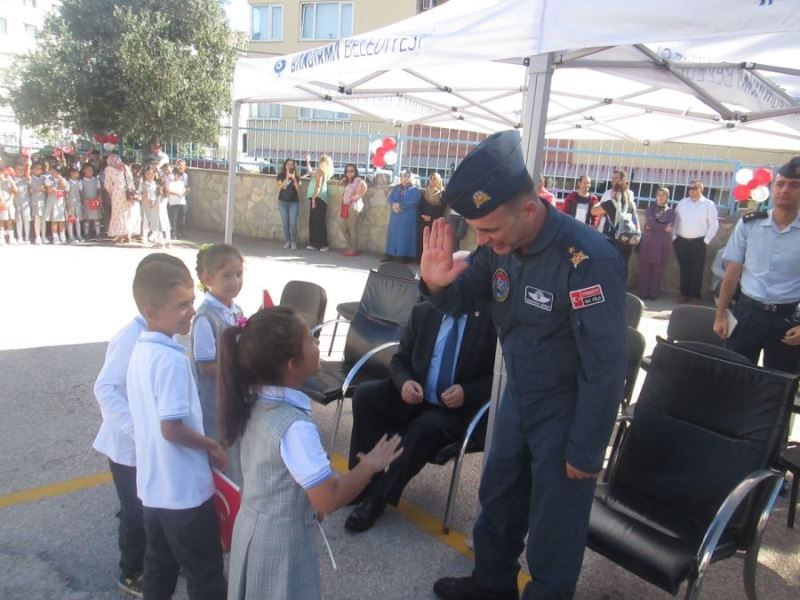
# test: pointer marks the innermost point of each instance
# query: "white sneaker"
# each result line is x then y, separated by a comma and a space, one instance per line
323, 249
294, 246
12, 240
287, 245
39, 242
310, 248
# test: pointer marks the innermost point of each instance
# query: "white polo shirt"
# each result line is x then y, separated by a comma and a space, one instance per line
161, 388
115, 438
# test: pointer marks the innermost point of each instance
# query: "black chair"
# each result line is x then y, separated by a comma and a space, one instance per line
308, 299
691, 324
790, 461
691, 483
347, 310
384, 308
633, 310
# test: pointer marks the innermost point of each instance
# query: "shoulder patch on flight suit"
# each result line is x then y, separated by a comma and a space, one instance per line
576, 256
501, 285
754, 216
587, 296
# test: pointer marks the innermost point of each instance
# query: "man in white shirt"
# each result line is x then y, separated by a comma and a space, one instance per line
696, 224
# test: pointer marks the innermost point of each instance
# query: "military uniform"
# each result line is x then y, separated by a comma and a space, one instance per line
558, 309
770, 260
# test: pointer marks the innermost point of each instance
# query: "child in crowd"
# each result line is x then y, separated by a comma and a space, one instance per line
55, 209
74, 211
176, 191
8, 190
92, 204
115, 441
150, 208
22, 202
287, 474
173, 476
219, 267
38, 199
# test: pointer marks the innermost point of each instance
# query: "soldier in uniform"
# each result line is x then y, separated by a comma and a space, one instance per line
557, 296
764, 253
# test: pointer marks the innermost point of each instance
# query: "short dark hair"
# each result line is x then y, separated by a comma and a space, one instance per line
154, 282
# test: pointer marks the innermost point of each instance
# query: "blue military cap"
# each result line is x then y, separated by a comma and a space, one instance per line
493, 173
791, 169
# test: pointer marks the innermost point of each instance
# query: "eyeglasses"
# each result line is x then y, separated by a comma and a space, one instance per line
693, 187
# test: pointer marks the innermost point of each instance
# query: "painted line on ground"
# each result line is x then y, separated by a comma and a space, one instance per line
54, 489
410, 512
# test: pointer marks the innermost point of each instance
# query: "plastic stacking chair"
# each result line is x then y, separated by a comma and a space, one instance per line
633, 310
691, 482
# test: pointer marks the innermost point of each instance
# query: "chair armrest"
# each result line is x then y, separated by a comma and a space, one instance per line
319, 327
361, 362
473, 424
728, 508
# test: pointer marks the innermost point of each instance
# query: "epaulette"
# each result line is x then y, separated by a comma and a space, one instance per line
755, 216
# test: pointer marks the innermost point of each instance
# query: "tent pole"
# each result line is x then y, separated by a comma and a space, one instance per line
233, 156
534, 121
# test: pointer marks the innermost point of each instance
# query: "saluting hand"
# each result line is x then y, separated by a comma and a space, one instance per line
437, 267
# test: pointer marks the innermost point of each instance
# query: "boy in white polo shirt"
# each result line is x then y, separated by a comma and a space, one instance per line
173, 476
115, 441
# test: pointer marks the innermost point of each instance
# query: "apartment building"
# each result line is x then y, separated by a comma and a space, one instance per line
20, 23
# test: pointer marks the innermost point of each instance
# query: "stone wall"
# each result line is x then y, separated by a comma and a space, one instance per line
257, 216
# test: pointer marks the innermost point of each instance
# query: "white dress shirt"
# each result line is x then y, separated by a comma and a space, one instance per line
696, 219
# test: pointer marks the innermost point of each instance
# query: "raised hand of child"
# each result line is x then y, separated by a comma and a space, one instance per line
383, 454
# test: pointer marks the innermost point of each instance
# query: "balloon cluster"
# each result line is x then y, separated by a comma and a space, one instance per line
753, 184
109, 141
383, 152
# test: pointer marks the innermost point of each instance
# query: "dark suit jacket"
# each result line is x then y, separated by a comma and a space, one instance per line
475, 357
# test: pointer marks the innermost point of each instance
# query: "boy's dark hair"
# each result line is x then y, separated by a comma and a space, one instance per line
162, 257
254, 355
211, 258
154, 282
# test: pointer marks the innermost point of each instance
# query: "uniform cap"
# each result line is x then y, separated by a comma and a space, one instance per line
492, 174
791, 169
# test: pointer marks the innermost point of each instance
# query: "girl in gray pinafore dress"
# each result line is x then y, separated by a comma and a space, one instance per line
38, 199
8, 189
92, 203
219, 268
22, 202
74, 208
287, 475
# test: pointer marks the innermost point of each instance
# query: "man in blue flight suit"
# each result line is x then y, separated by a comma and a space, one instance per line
764, 253
557, 297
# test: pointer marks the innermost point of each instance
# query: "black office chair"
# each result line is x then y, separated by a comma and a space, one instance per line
384, 308
691, 324
633, 310
691, 483
308, 299
347, 310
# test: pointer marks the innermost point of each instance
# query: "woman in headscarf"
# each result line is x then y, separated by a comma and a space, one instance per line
125, 214
431, 207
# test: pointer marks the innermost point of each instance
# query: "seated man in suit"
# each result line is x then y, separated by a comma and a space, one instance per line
440, 376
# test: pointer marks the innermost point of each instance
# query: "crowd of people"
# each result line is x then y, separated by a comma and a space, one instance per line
64, 198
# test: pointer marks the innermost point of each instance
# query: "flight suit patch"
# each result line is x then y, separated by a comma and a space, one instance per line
587, 296
539, 298
500, 285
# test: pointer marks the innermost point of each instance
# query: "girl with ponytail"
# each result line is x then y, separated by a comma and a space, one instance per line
288, 478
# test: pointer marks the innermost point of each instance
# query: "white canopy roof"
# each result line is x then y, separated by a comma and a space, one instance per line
728, 76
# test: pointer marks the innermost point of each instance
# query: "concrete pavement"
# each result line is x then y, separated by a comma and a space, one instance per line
62, 303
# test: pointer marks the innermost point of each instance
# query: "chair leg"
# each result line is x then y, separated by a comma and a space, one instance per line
793, 498
333, 337
693, 587
336, 419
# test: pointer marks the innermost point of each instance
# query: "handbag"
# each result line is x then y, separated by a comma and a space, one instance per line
627, 230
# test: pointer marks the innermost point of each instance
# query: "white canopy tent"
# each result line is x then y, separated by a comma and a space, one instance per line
570, 70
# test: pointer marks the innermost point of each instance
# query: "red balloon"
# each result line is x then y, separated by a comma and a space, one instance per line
761, 176
378, 161
99, 138
389, 144
741, 192
112, 139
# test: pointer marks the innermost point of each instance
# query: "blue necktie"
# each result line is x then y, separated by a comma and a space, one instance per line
445, 378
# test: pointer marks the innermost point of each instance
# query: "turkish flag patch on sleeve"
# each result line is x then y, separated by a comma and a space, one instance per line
587, 296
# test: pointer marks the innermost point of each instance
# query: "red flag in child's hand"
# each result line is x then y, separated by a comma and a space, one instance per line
227, 499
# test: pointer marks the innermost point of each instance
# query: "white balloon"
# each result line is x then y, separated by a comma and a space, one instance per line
759, 194
743, 176
378, 143
108, 146
390, 157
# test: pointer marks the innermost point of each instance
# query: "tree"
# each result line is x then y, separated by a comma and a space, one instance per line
146, 69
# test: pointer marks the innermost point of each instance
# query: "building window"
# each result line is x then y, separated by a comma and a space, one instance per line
326, 20
31, 3
3, 26
427, 4
314, 114
266, 110
30, 31
267, 23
